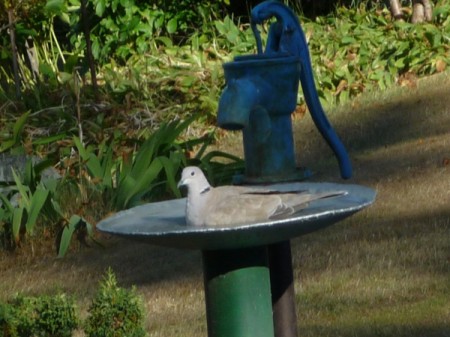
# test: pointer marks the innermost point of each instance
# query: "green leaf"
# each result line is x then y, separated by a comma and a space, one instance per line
171, 168
17, 222
145, 154
400, 63
57, 208
122, 193
6, 203
55, 6
29, 178
64, 18
23, 190
165, 40
92, 162
36, 203
71, 63
172, 25
17, 132
348, 40
18, 126
65, 77
142, 183
49, 139
67, 234
80, 147
100, 7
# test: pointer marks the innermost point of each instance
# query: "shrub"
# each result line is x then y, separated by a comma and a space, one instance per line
7, 321
115, 311
56, 316
21, 317
46, 316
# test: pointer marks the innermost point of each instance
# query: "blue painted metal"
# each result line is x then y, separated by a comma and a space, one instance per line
261, 94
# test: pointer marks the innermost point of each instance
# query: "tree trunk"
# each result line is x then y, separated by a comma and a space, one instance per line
87, 36
12, 37
428, 6
422, 11
396, 9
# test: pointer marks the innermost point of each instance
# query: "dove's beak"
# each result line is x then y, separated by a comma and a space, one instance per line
182, 186
181, 183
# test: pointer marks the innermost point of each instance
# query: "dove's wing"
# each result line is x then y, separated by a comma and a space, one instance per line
295, 202
233, 206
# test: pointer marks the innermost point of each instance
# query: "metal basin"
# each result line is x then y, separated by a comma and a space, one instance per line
163, 223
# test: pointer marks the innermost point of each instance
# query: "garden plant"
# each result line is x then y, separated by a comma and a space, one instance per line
117, 97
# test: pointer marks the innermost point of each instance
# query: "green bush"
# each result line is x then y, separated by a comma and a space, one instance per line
20, 317
45, 316
56, 316
115, 311
7, 321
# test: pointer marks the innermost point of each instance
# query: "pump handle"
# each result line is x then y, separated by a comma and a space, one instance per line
286, 37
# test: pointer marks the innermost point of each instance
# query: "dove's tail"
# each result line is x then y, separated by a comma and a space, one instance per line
300, 201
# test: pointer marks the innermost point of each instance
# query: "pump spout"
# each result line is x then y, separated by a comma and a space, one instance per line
237, 101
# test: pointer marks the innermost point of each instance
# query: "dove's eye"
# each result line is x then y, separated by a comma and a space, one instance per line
192, 173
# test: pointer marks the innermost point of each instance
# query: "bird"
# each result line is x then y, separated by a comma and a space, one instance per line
239, 205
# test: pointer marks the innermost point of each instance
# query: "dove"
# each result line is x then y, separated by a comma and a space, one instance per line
238, 205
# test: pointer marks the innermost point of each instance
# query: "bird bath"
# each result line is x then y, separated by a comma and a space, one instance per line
247, 268
237, 278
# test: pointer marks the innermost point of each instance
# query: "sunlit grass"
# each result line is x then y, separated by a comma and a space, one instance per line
383, 272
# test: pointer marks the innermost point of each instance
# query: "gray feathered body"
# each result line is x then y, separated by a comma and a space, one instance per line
238, 205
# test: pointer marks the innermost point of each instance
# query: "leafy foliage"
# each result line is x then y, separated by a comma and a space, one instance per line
115, 311
366, 50
21, 208
38, 316
120, 177
167, 66
127, 27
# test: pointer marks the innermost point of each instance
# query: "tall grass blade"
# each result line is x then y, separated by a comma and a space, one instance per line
36, 203
17, 222
143, 183
67, 234
23, 190
171, 167
91, 161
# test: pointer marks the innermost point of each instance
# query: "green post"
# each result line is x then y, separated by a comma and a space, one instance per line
237, 291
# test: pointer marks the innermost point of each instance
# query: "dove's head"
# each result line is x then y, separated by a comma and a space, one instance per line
193, 178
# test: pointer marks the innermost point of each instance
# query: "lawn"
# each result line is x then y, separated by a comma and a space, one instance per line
383, 272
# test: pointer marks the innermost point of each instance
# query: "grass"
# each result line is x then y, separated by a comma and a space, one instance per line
383, 272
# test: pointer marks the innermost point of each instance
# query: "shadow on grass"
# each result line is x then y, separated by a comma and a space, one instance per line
136, 263
407, 117
384, 121
416, 244
376, 330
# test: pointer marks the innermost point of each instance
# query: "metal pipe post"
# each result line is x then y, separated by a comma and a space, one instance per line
237, 292
282, 287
